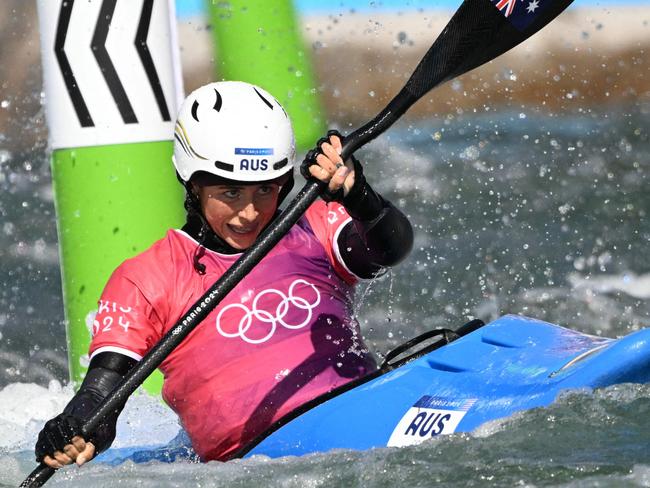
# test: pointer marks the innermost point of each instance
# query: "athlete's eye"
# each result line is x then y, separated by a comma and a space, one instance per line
266, 189
231, 193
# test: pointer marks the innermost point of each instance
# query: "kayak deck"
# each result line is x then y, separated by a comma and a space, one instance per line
511, 364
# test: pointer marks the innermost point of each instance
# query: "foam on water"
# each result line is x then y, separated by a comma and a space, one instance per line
145, 421
628, 283
25, 407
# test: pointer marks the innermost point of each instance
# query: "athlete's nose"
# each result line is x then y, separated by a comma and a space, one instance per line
248, 212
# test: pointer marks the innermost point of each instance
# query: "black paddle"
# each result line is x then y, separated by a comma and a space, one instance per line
478, 32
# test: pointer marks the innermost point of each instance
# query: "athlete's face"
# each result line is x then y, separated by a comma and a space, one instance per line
238, 213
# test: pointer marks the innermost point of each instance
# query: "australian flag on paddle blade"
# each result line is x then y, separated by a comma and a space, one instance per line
521, 13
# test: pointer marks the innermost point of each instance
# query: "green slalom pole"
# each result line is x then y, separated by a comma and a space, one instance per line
112, 88
259, 41
112, 202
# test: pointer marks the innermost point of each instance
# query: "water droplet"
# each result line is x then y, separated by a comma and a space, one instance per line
84, 360
4, 156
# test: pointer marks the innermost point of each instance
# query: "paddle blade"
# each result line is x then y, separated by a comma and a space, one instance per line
478, 32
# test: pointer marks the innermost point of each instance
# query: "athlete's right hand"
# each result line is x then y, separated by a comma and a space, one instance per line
60, 443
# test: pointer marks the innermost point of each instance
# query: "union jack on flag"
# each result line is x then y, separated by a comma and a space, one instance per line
521, 13
506, 5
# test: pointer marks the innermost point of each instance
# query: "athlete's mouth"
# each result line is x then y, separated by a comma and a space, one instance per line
242, 230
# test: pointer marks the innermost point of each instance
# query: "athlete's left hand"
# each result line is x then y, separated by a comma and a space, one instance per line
331, 169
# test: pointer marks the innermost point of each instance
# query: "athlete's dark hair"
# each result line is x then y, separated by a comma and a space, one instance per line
195, 215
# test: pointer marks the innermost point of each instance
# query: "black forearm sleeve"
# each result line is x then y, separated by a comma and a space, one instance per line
369, 245
105, 371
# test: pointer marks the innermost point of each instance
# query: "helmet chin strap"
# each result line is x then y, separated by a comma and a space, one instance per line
196, 226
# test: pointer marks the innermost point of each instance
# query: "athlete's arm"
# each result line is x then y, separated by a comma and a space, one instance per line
60, 442
379, 235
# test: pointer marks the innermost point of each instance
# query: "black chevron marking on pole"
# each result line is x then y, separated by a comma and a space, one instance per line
98, 45
66, 70
145, 57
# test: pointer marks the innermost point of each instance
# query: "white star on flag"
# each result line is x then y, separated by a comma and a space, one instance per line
532, 6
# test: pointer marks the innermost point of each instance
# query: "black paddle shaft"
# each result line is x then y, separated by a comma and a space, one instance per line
478, 32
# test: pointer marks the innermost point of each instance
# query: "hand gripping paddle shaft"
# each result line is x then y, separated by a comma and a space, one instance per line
478, 32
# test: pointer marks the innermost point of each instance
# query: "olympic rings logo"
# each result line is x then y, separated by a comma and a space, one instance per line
264, 319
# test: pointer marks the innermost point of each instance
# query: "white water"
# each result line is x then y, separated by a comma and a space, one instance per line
26, 406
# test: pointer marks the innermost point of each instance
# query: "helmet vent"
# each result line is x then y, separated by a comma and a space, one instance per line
224, 166
218, 102
195, 107
263, 99
280, 164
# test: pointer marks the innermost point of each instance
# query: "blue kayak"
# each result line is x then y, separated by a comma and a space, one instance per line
453, 382
511, 364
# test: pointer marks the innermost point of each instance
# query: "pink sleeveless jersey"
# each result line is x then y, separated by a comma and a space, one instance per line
283, 336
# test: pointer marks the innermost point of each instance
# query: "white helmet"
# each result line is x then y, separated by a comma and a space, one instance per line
233, 130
